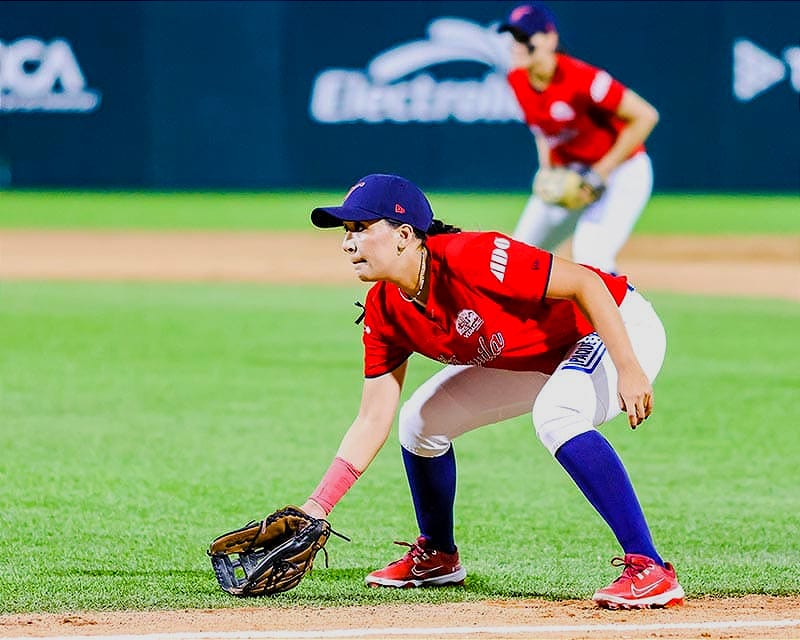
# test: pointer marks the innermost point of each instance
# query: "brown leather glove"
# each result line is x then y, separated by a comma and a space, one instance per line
270, 556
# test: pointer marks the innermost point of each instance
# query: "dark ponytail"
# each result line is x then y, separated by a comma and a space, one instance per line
438, 228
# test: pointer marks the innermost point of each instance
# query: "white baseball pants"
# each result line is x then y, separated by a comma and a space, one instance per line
600, 230
580, 395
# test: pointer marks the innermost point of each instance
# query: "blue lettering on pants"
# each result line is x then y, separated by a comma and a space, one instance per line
586, 355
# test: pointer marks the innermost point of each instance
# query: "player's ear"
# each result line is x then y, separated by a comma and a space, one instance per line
405, 234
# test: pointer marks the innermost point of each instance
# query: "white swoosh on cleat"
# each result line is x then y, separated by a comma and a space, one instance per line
639, 593
422, 574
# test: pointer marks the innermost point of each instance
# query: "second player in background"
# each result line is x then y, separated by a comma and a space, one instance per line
583, 118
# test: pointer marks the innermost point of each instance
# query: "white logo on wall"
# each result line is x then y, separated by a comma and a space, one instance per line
36, 76
396, 86
756, 70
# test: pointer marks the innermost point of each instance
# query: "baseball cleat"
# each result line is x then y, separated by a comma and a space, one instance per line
644, 584
420, 567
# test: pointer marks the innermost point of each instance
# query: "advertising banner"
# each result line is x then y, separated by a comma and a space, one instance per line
292, 95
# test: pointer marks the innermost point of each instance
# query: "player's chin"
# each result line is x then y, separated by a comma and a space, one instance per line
363, 272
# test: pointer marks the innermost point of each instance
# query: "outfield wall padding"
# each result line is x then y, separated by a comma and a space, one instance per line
293, 95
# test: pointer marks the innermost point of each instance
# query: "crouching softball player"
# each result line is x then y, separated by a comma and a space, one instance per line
520, 332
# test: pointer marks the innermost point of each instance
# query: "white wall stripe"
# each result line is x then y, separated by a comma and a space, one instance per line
432, 631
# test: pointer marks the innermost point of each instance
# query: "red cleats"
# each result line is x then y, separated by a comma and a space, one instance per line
644, 584
420, 567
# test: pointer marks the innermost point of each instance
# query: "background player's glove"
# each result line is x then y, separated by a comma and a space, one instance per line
569, 187
262, 558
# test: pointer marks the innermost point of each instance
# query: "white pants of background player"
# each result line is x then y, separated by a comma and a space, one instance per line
601, 229
578, 396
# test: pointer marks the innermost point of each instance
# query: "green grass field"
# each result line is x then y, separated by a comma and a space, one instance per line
138, 421
696, 214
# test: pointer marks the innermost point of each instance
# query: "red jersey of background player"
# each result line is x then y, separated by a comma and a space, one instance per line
575, 113
485, 306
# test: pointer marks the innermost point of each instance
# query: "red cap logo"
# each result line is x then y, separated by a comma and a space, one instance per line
398, 209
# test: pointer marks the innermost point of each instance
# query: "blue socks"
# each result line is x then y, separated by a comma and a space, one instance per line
433, 489
588, 458
597, 470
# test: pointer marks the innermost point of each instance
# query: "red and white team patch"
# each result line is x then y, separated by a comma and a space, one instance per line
468, 322
561, 111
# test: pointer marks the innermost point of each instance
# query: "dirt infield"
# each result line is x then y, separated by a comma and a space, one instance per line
752, 266
769, 617
767, 266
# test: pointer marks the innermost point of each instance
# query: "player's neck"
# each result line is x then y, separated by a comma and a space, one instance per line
541, 74
418, 290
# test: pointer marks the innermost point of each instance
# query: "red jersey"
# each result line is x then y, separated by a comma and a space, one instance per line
575, 113
485, 307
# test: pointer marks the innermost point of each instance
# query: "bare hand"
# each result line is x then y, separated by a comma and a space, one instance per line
635, 394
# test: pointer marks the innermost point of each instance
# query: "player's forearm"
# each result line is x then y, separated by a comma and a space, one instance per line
542, 151
358, 448
599, 307
633, 134
362, 442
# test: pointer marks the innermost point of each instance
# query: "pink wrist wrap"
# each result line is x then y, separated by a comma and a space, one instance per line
339, 477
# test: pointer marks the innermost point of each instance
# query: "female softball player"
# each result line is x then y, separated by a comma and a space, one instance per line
581, 118
520, 332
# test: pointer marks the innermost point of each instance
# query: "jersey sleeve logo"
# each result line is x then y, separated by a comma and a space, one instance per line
499, 258
600, 86
468, 322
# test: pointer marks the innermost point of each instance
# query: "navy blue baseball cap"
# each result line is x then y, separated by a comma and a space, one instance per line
378, 196
528, 19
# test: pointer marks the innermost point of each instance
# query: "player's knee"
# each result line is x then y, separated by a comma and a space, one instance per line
556, 425
415, 436
409, 417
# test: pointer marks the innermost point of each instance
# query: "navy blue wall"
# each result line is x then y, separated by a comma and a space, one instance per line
218, 95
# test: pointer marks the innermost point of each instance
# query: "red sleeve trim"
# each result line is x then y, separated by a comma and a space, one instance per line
388, 370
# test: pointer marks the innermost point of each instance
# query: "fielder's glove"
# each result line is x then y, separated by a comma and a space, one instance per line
270, 556
569, 187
